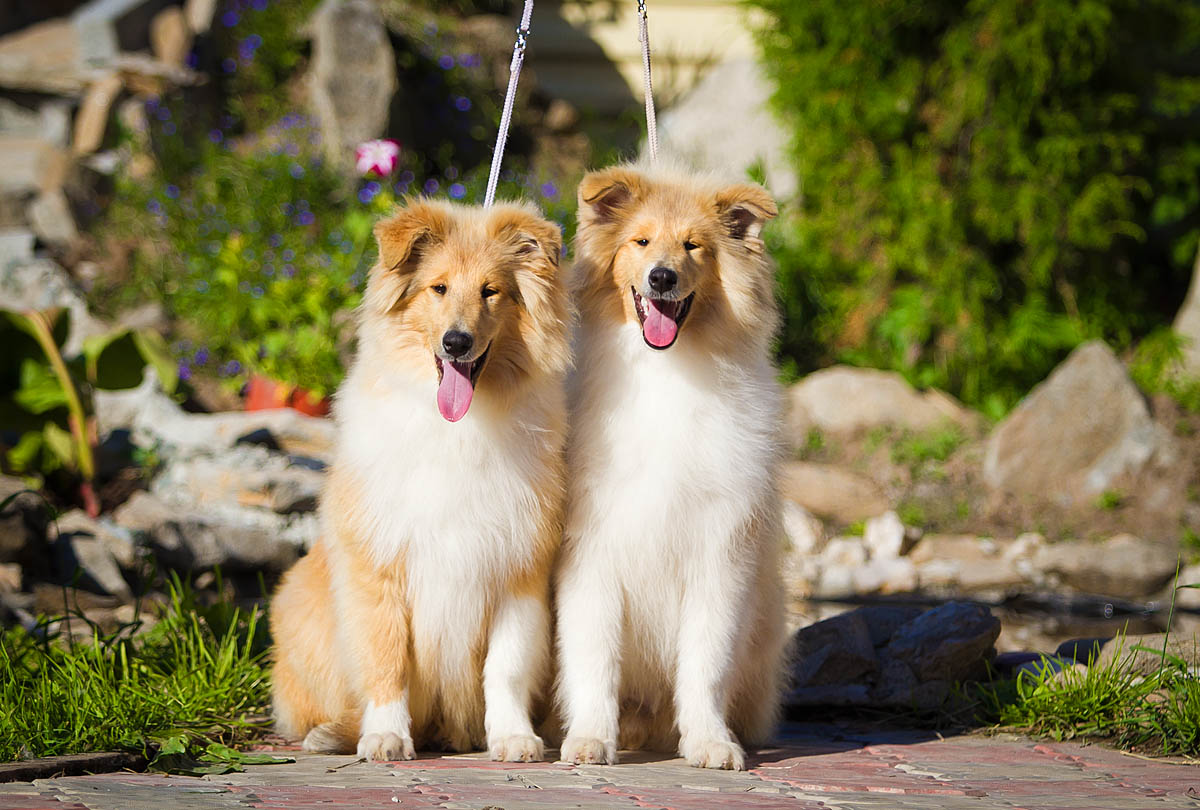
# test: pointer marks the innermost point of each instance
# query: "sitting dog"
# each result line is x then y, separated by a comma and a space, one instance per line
670, 608
421, 616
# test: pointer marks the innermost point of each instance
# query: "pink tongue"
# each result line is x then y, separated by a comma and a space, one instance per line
454, 394
659, 328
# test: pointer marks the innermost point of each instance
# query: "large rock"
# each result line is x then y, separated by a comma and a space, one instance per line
1122, 566
1075, 434
724, 123
55, 56
844, 399
1143, 655
352, 77
1187, 324
832, 492
948, 642
950, 563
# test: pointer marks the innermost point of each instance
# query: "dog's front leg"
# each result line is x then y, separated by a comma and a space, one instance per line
710, 621
589, 648
515, 666
375, 623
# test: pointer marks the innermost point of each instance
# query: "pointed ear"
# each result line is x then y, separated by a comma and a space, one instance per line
402, 238
744, 209
605, 194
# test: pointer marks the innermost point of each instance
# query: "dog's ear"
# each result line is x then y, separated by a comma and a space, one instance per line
604, 194
541, 292
744, 209
401, 239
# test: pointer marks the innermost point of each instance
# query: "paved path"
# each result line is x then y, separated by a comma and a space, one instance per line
816, 766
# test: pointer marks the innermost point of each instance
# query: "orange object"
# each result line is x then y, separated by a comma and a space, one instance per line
263, 393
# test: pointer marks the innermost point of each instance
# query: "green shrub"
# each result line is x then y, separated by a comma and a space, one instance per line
985, 184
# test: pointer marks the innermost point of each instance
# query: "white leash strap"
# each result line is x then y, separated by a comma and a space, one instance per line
514, 71
651, 123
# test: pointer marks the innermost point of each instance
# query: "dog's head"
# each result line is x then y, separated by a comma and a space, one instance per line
677, 251
472, 295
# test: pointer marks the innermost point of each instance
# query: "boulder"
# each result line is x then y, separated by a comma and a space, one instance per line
834, 651
87, 555
1075, 434
1123, 565
844, 399
952, 563
352, 76
947, 643
832, 492
1143, 654
725, 124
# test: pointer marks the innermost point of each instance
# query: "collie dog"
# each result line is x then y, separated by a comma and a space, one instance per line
422, 616
670, 610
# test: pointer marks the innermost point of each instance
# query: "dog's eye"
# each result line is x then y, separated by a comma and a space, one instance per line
440, 289
488, 292
690, 246
641, 242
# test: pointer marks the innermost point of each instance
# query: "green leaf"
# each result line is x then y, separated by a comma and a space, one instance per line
223, 753
61, 443
23, 456
39, 391
114, 361
155, 351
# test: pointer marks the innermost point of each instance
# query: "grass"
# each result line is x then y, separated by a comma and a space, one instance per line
1109, 500
914, 449
195, 682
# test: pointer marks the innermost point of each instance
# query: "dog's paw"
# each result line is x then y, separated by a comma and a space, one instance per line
386, 747
326, 739
517, 748
588, 751
714, 754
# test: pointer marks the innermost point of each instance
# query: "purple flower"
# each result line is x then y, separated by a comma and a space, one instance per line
201, 356
268, 270
458, 191
407, 176
257, 291
259, 5
451, 173
185, 371
192, 60
201, 286
229, 19
462, 103
431, 186
169, 128
296, 171
445, 61
228, 65
172, 191
289, 271
275, 240
549, 191
288, 255
468, 60
306, 218
215, 135
231, 368
365, 195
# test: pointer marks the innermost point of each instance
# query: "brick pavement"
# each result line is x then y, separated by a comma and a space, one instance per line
816, 766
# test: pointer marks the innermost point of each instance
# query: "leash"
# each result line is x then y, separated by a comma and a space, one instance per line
651, 122
514, 71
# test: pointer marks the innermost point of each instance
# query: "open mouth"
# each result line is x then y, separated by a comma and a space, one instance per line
661, 318
456, 384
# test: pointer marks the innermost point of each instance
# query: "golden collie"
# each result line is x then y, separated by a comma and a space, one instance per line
422, 615
670, 610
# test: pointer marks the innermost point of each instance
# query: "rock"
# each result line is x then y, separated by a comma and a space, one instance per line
946, 643
50, 121
884, 536
199, 14
52, 57
22, 522
51, 219
352, 76
10, 577
561, 116
844, 399
804, 532
41, 284
724, 123
16, 247
91, 121
1081, 650
1075, 434
119, 541
966, 563
832, 492
1142, 655
30, 166
1187, 324
885, 576
86, 555
1122, 565
834, 651
1188, 598
838, 562
170, 35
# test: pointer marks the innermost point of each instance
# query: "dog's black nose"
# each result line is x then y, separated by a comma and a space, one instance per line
663, 279
457, 343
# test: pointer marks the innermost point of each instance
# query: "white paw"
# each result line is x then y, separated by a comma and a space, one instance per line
386, 747
714, 754
589, 751
324, 739
517, 748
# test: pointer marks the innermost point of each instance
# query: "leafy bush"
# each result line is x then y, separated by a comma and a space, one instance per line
985, 184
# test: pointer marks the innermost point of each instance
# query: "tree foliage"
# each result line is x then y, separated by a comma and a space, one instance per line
985, 184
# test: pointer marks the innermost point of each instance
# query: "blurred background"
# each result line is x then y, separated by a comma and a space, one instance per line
990, 214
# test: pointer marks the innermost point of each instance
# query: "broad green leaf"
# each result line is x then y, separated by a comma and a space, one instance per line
40, 391
24, 455
114, 361
62, 444
155, 351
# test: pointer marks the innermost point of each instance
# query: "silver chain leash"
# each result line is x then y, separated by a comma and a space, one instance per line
651, 122
514, 71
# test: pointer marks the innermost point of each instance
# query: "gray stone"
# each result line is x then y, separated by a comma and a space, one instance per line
834, 651
55, 56
41, 284
884, 536
1075, 434
724, 123
888, 575
30, 165
352, 76
119, 541
23, 522
86, 555
953, 563
16, 247
844, 399
1123, 565
1143, 654
832, 492
1188, 598
51, 218
1187, 324
946, 643
49, 122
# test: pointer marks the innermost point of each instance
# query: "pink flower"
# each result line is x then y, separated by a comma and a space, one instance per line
377, 156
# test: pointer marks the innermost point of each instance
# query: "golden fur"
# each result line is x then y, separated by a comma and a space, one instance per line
429, 588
